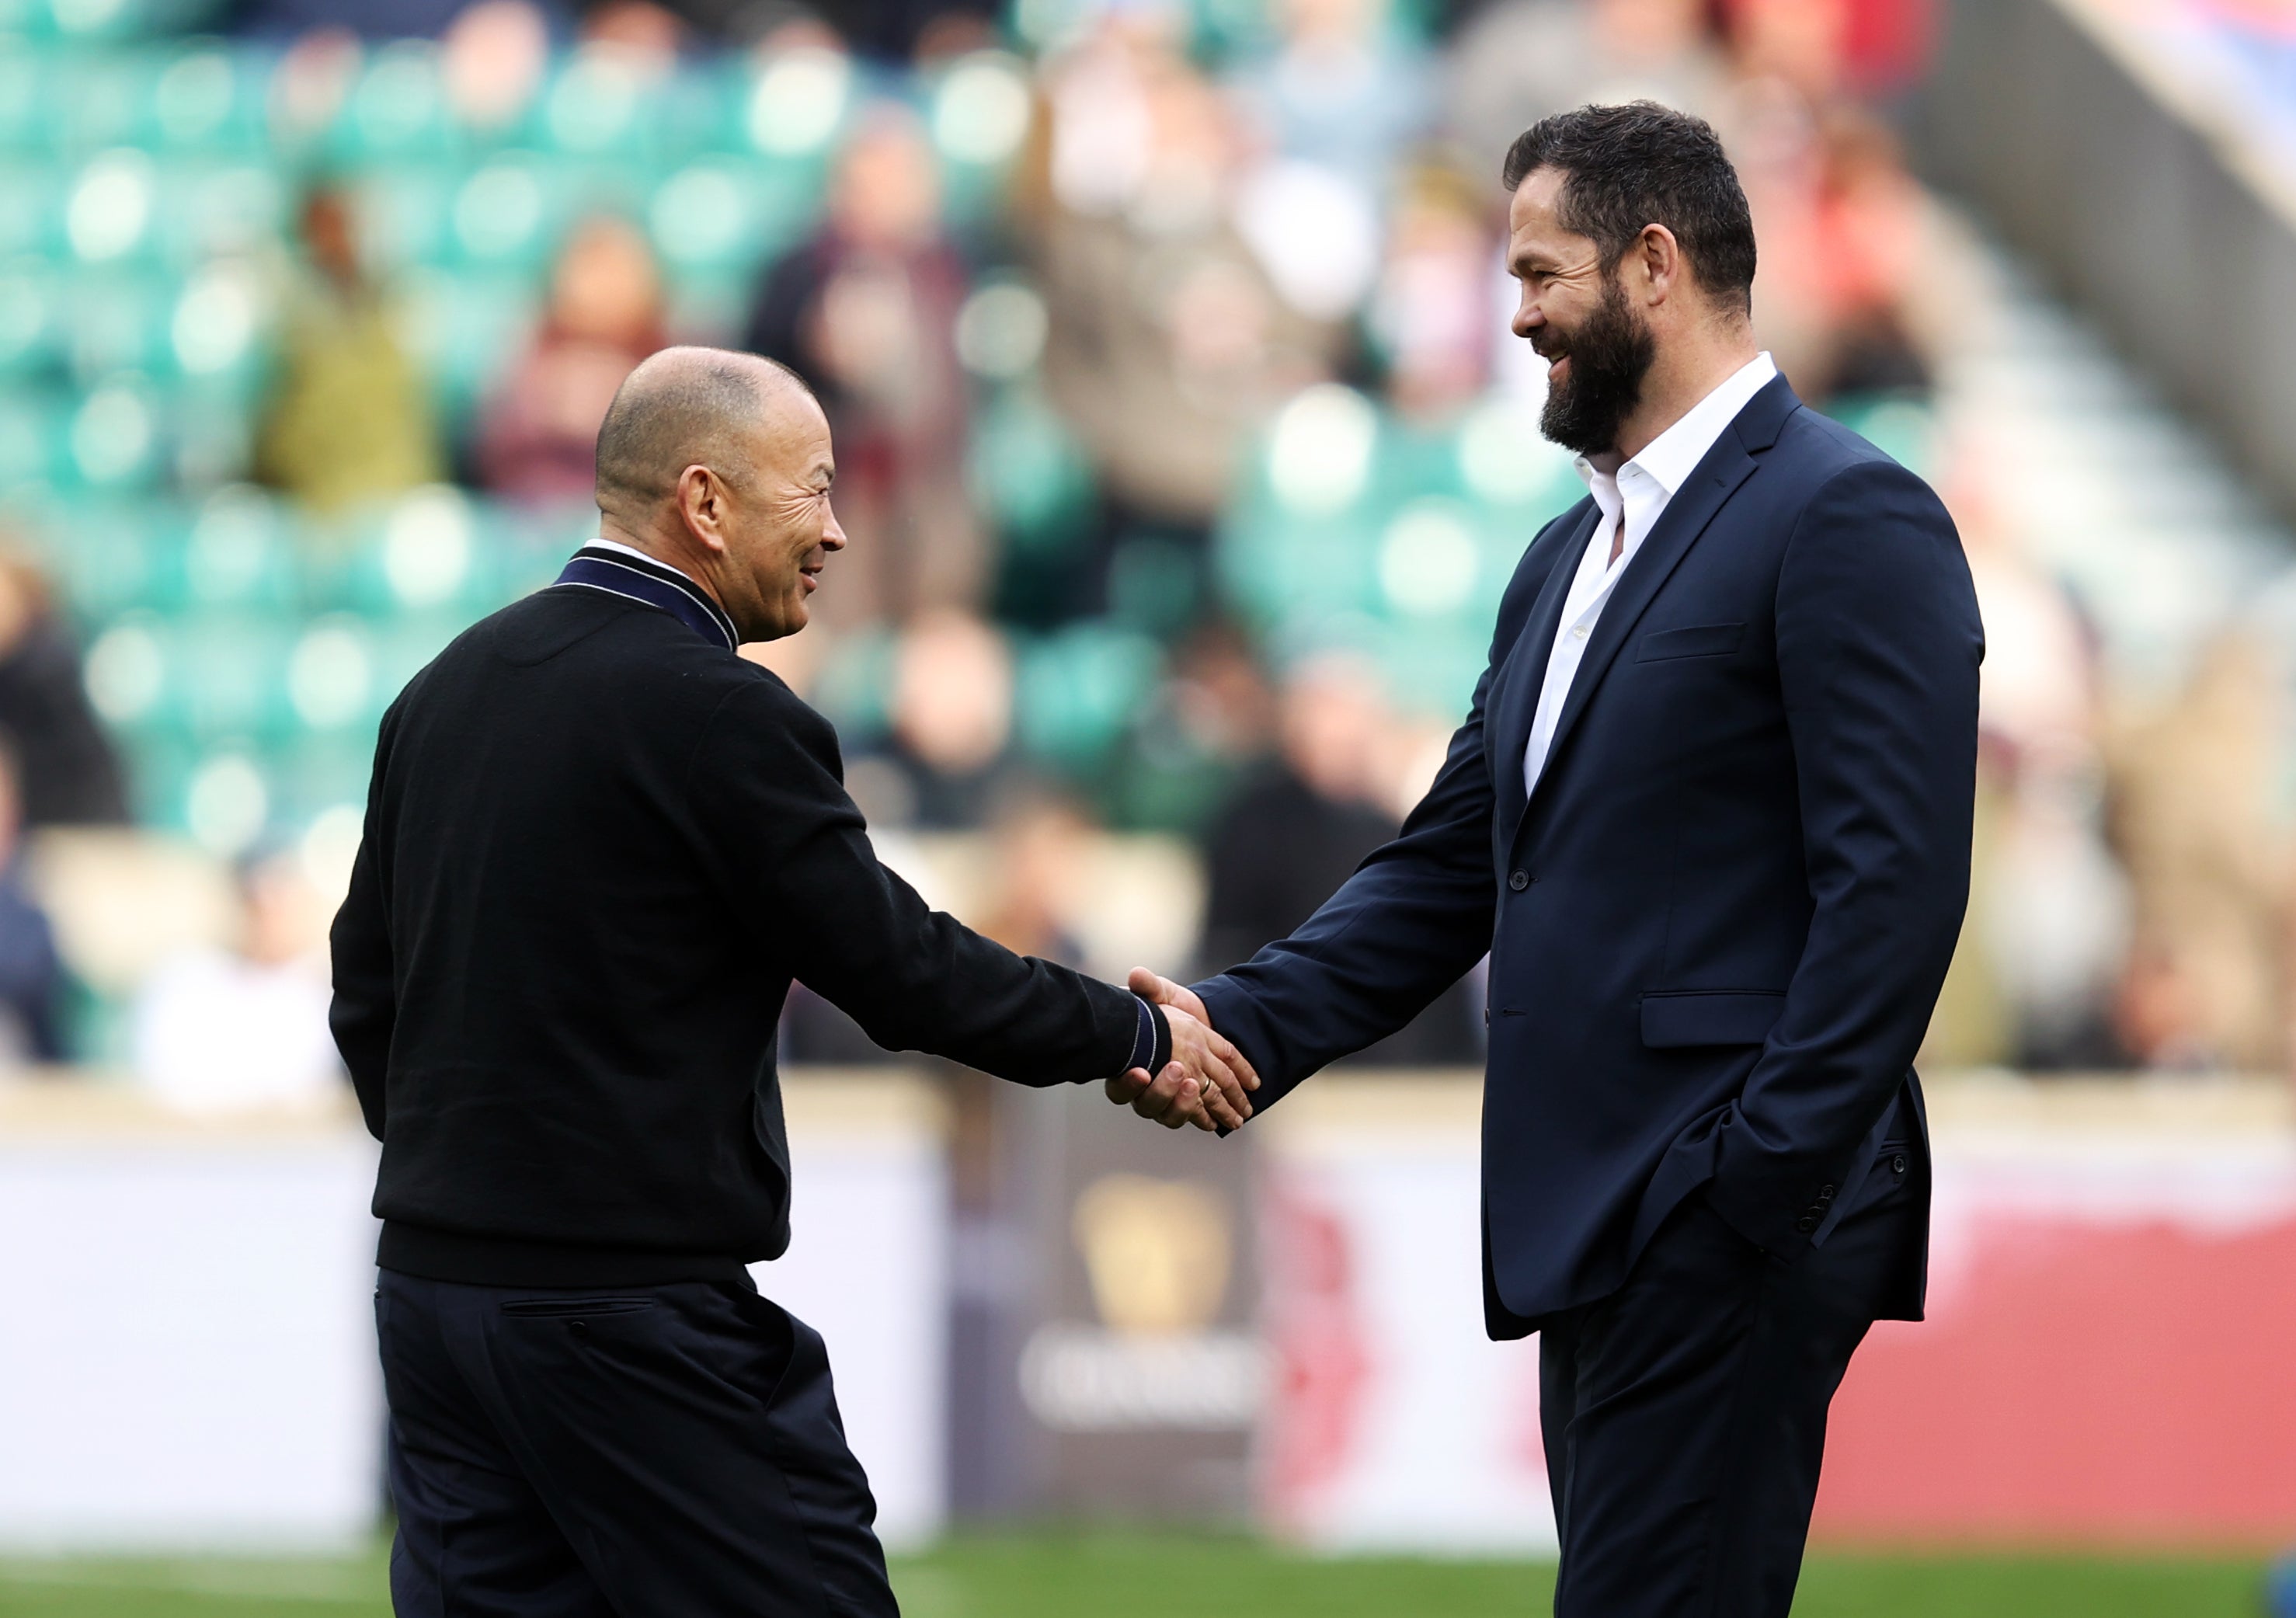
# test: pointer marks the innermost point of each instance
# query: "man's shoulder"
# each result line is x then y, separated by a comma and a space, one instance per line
1819, 450
566, 640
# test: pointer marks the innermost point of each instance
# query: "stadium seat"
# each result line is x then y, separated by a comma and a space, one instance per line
207, 96
31, 327
1077, 689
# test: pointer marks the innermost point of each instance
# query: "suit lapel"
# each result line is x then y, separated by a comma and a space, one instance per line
1728, 464
1526, 670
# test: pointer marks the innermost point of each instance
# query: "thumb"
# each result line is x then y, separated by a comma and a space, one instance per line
1152, 986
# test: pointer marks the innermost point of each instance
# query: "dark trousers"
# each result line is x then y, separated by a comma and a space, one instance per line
1685, 1415
670, 1451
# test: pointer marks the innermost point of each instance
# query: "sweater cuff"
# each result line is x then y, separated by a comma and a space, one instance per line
1151, 1044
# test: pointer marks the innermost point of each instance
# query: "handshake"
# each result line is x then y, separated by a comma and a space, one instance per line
1207, 1080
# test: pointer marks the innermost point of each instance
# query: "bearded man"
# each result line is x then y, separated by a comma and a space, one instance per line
1709, 814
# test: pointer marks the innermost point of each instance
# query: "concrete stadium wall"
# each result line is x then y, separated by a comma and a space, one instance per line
2137, 190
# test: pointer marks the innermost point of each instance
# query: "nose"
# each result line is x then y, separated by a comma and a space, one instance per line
833, 535
1529, 317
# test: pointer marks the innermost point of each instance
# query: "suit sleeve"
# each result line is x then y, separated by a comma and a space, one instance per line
366, 1005
1416, 915
767, 788
1878, 646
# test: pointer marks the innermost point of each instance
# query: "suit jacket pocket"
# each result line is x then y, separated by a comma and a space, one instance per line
1725, 1017
1696, 640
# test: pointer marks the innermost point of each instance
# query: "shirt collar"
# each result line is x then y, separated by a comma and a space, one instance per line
1669, 458
624, 571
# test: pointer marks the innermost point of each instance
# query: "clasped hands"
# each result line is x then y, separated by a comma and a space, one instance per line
1206, 1081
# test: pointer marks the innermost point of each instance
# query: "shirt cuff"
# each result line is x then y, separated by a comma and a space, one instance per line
1151, 1044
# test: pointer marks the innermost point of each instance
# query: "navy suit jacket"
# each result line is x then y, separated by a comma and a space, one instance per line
1718, 928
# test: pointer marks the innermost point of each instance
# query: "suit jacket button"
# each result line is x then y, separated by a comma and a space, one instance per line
1898, 1164
1518, 880
1807, 1223
1824, 1195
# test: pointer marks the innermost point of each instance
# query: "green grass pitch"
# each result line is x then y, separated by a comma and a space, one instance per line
1051, 1576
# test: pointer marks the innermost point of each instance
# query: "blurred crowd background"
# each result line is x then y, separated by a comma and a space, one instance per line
1183, 446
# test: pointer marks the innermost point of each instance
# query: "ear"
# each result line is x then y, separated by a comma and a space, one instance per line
701, 499
1660, 257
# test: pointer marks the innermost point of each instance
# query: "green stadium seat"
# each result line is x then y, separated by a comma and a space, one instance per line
465, 328
1077, 689
796, 106
228, 674
98, 97
114, 439
27, 208
425, 556
219, 204
31, 324
208, 97
24, 127
116, 319
317, 773
711, 216
227, 801
235, 552
112, 557
396, 110
109, 205
334, 678
1029, 473
508, 214
218, 330
978, 110
406, 213
597, 104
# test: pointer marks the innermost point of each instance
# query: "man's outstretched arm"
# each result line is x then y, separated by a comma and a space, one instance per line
1413, 919
767, 781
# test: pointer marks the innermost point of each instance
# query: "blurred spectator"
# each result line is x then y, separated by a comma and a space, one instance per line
492, 60
2209, 865
538, 443
2049, 916
646, 39
1039, 843
218, 1029
31, 974
1298, 829
1209, 723
66, 773
347, 419
1841, 302
949, 756
1518, 61
1345, 89
867, 310
1433, 312
1169, 342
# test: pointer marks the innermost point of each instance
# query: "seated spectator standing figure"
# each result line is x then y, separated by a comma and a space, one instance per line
949, 757
347, 419
1300, 827
71, 775
868, 309
537, 442
218, 1029
31, 976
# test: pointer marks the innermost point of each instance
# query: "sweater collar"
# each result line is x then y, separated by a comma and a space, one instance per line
620, 571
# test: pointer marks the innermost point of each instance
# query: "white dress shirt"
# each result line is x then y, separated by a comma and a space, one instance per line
1636, 494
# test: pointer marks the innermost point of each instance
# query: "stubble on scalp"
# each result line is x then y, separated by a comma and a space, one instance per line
686, 407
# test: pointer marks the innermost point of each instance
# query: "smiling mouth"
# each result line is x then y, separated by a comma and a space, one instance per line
812, 577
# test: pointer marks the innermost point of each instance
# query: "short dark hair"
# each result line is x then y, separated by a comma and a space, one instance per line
1628, 166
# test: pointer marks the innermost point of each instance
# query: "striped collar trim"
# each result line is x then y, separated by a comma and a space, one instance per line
656, 583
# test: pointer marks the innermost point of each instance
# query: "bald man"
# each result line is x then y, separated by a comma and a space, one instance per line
599, 846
